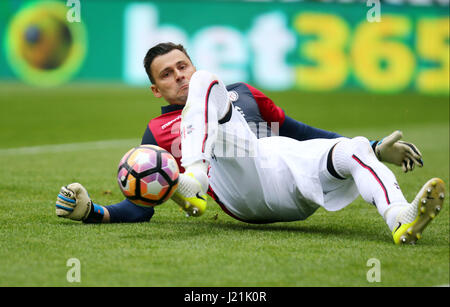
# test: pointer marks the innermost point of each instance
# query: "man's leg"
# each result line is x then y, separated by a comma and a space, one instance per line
378, 185
374, 180
207, 106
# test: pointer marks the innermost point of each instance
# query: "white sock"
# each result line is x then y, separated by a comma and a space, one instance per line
200, 171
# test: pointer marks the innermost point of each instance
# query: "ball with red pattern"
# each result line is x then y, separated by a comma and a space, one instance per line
148, 175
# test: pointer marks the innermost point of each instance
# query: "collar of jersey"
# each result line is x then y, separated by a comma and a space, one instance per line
171, 108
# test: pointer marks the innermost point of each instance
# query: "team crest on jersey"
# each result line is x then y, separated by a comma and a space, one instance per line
233, 95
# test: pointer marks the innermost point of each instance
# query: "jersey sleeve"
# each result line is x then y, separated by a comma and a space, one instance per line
301, 132
289, 127
270, 112
148, 138
127, 212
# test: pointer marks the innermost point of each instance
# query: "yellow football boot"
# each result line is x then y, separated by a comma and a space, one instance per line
189, 195
411, 222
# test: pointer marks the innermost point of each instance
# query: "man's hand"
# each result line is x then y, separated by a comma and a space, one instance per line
73, 202
392, 150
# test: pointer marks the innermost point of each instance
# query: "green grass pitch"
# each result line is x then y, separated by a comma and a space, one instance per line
51, 137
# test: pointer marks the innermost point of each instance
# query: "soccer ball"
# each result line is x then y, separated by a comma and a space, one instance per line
148, 175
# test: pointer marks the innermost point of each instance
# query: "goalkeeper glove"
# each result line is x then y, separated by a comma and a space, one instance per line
73, 202
390, 149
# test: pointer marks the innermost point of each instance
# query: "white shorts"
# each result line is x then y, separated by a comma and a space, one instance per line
263, 180
274, 179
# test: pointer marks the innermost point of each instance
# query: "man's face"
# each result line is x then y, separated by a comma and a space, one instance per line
172, 72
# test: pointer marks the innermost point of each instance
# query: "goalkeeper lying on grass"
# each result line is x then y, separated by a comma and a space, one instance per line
289, 177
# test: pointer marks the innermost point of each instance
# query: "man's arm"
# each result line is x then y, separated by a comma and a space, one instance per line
127, 212
302, 132
389, 149
148, 138
288, 126
73, 202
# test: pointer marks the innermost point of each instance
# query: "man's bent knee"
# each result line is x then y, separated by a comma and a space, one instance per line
361, 145
202, 78
345, 150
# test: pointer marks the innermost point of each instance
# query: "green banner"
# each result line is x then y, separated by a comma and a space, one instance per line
273, 45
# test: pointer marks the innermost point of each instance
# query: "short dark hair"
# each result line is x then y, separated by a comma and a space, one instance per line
157, 50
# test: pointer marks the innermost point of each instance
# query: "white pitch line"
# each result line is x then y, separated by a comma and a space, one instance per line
69, 147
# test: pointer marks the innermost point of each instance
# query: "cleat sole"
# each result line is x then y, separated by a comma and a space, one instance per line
430, 207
